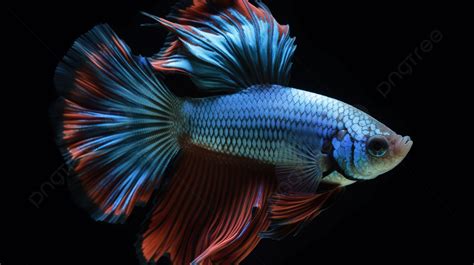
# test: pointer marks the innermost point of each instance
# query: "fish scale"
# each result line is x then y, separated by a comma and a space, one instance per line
261, 121
120, 128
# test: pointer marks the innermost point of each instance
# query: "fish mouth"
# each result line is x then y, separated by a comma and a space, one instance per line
402, 145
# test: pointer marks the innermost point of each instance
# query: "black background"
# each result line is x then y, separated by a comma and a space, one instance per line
410, 214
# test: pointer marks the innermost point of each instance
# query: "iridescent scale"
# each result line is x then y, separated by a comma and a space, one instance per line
260, 122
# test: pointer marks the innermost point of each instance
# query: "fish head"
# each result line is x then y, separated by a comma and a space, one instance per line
367, 148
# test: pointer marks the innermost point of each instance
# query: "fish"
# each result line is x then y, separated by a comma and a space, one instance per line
252, 159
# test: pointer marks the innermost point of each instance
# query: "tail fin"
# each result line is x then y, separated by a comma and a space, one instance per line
118, 124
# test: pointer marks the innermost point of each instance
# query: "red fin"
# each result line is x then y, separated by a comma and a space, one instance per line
213, 211
115, 125
201, 10
225, 45
290, 212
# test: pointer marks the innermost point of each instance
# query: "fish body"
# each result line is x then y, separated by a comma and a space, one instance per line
254, 159
263, 122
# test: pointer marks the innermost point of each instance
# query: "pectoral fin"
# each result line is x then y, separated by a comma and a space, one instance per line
301, 169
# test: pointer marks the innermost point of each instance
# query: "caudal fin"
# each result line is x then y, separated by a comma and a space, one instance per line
117, 124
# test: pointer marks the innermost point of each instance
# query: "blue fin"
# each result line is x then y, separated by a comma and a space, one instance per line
226, 46
118, 124
302, 168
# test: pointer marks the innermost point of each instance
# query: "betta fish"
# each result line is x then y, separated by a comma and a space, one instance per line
253, 158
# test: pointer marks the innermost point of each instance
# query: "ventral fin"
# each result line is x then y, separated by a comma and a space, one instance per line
226, 46
336, 178
213, 211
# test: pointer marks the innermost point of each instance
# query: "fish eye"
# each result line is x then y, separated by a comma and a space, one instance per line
377, 146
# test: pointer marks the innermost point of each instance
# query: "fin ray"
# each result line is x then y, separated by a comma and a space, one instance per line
213, 211
226, 47
289, 213
116, 124
301, 168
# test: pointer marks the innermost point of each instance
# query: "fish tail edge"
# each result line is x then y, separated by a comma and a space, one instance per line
117, 124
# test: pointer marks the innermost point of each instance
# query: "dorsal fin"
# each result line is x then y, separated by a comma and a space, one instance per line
226, 46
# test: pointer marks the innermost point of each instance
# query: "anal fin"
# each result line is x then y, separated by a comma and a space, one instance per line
289, 212
213, 211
